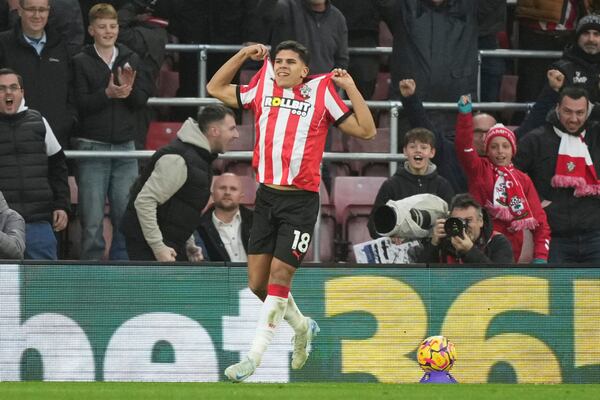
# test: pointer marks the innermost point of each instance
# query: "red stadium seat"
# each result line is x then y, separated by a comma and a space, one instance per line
339, 144
382, 87
353, 198
161, 133
386, 39
380, 144
246, 75
327, 229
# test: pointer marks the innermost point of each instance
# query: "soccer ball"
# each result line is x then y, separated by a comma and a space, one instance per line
436, 353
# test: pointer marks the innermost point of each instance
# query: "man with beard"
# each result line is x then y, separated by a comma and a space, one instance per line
563, 159
579, 66
225, 227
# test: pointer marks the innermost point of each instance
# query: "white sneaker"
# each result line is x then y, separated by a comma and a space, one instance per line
240, 371
302, 344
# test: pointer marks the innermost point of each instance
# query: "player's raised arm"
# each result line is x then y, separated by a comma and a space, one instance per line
220, 85
361, 123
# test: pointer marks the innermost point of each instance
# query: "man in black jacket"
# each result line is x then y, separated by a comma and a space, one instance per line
316, 23
578, 66
476, 243
225, 227
167, 199
41, 57
553, 156
33, 176
110, 86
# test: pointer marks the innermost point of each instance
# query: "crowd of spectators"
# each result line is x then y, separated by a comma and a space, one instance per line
86, 69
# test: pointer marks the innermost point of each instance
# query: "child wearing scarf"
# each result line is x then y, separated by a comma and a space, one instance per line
507, 193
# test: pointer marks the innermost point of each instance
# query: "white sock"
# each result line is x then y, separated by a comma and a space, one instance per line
271, 314
294, 316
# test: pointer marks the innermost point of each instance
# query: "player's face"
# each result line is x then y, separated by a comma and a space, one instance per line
104, 31
289, 68
572, 113
227, 192
589, 41
34, 17
472, 219
224, 132
11, 94
418, 155
500, 151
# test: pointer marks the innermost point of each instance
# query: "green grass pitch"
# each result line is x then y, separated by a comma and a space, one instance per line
290, 391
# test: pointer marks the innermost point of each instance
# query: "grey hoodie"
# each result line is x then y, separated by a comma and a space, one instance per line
169, 175
12, 232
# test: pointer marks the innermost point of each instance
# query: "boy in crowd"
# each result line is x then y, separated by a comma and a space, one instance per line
109, 86
417, 175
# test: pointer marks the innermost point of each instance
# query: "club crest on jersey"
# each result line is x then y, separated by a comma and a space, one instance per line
305, 91
296, 106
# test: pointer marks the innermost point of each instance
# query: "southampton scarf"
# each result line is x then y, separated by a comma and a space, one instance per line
510, 203
574, 166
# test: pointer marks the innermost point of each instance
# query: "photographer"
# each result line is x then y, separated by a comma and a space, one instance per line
466, 237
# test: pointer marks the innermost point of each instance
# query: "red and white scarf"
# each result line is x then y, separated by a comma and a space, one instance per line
510, 203
574, 166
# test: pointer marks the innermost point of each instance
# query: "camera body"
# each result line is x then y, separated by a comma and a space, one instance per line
455, 227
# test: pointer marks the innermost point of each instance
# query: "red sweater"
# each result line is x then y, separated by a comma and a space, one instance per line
480, 178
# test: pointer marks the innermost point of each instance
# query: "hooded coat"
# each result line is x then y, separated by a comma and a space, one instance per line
436, 46
167, 200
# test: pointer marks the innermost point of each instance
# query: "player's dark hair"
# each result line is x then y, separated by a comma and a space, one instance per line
9, 71
464, 201
212, 113
296, 47
423, 135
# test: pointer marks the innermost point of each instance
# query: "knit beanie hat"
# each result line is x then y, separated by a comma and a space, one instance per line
503, 131
591, 21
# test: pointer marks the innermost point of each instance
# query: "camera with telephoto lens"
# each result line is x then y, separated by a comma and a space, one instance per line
455, 227
410, 218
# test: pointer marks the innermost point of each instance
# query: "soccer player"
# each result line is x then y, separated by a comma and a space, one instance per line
292, 115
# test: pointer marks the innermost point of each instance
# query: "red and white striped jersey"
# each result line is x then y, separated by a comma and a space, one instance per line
291, 126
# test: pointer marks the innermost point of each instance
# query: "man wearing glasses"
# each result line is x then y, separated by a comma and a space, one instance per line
33, 171
40, 55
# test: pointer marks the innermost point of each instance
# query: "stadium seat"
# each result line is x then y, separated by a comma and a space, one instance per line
167, 85
353, 198
161, 133
246, 75
383, 119
386, 39
380, 144
168, 81
382, 87
327, 230
244, 143
246, 140
339, 144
